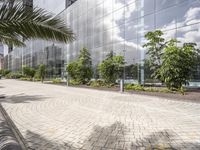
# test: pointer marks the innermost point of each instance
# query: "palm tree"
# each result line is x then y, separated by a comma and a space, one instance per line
19, 23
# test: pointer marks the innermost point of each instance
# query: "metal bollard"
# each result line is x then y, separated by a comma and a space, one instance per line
122, 85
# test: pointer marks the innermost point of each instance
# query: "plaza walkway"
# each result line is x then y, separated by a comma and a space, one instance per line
64, 118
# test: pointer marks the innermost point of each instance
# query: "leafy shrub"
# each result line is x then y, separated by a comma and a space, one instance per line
81, 69
14, 75
97, 83
74, 82
4, 72
26, 79
100, 83
28, 71
170, 63
36, 76
147, 89
135, 87
111, 68
72, 70
158, 89
37, 79
178, 64
41, 72
55, 81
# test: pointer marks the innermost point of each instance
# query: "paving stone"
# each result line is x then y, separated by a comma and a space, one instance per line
57, 117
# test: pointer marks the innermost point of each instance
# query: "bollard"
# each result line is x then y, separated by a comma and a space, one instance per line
122, 85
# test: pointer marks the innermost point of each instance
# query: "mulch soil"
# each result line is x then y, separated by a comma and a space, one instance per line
192, 95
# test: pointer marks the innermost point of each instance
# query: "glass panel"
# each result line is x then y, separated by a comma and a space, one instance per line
108, 7
145, 7
118, 4
99, 11
188, 13
131, 30
146, 24
169, 21
162, 4
118, 17
131, 12
108, 22
118, 34
107, 36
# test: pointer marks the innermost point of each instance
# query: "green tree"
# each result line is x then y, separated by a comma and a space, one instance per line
19, 23
84, 66
72, 69
132, 71
41, 72
155, 47
111, 68
178, 64
147, 70
28, 71
81, 70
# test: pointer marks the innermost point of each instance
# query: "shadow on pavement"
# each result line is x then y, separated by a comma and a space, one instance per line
21, 98
38, 142
7, 138
115, 136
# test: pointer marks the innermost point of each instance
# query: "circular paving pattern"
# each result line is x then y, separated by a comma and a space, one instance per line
56, 117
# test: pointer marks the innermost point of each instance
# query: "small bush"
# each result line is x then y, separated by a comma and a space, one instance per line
26, 79
14, 75
100, 83
147, 89
111, 68
158, 89
81, 69
97, 83
74, 82
55, 81
37, 79
41, 72
134, 87
28, 71
4, 72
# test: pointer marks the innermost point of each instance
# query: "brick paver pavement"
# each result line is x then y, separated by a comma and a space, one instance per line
57, 117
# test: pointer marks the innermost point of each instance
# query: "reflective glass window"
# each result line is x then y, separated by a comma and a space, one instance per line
118, 17
131, 12
166, 19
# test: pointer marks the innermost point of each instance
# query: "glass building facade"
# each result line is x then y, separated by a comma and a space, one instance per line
115, 25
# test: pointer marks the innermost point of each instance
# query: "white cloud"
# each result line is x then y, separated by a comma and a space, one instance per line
192, 13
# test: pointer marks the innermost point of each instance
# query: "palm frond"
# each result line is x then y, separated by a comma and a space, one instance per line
18, 21
11, 41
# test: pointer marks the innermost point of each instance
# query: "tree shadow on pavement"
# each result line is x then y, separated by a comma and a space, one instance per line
21, 98
164, 140
114, 137
38, 142
7, 138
